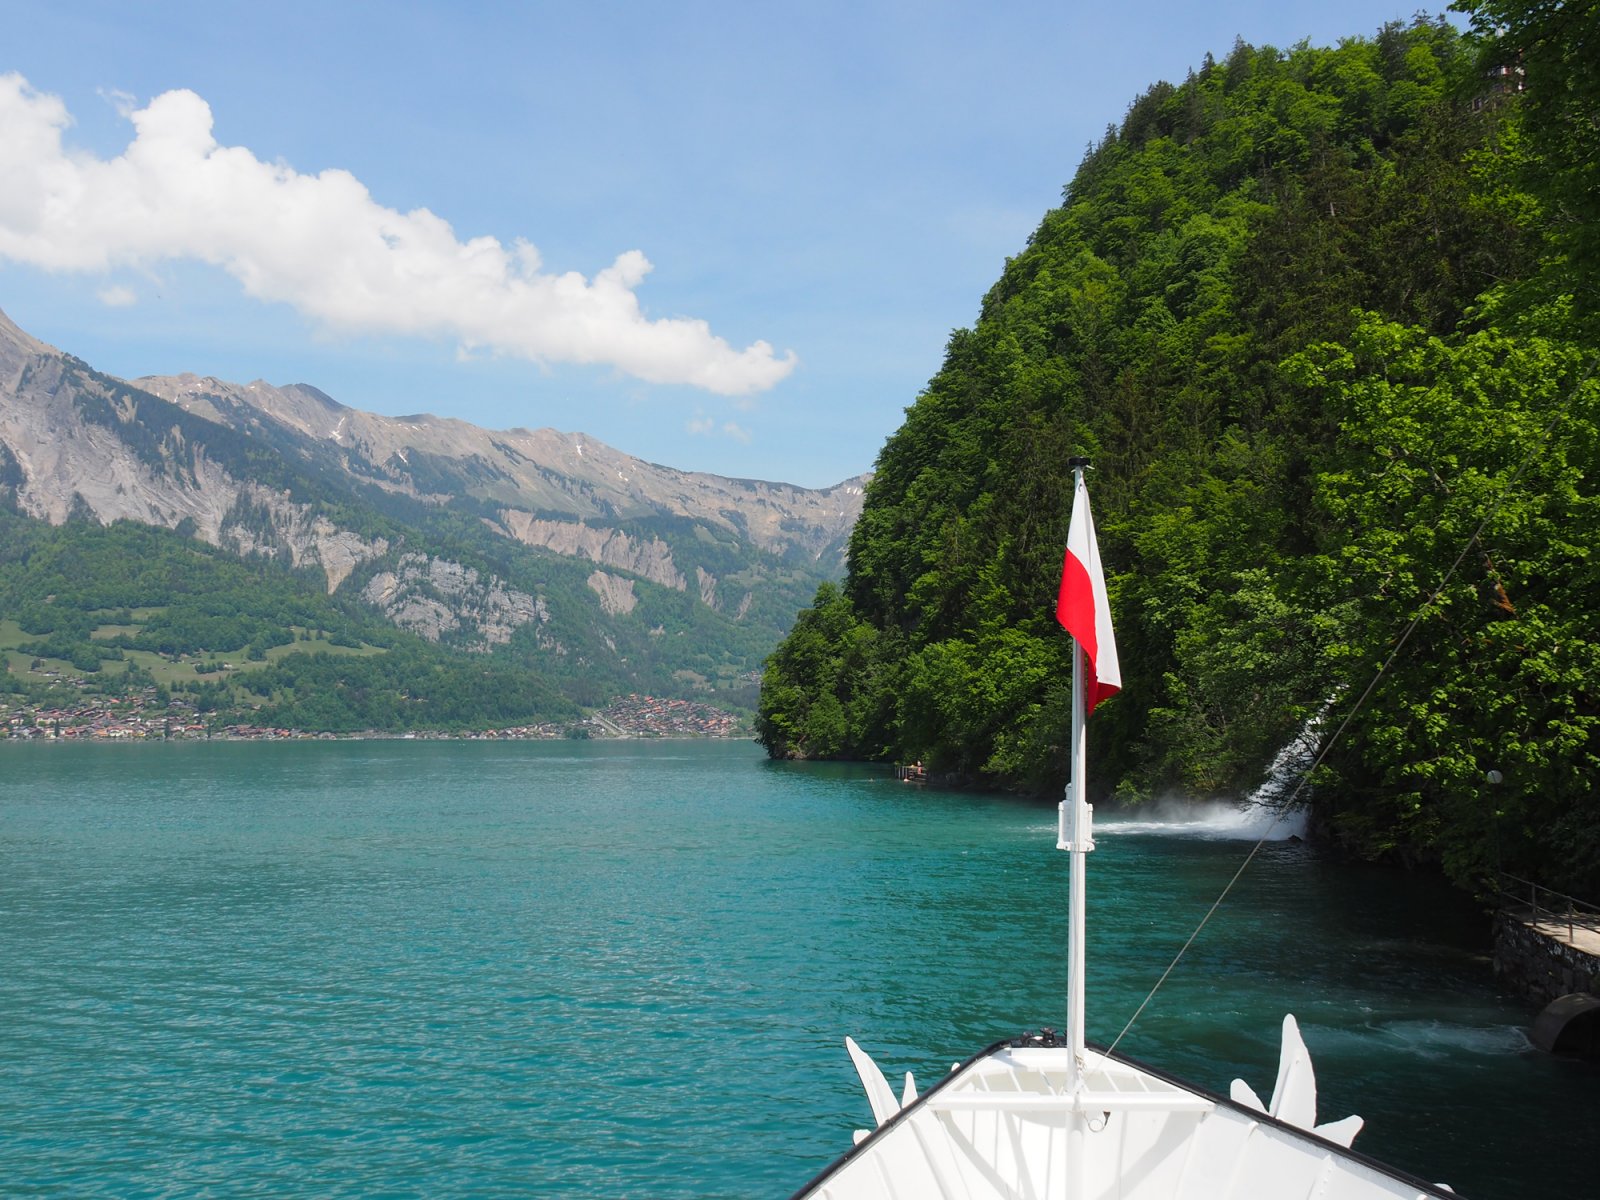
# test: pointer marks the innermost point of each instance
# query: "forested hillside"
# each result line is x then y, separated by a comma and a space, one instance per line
129, 612
1323, 319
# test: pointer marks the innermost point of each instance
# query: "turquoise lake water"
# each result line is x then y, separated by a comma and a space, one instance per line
441, 969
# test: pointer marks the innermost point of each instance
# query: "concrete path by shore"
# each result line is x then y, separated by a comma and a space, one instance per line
1583, 933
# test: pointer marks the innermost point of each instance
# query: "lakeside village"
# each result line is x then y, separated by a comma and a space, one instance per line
138, 718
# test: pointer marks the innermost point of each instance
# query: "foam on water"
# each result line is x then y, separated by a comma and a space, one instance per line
1432, 1039
1437, 1037
1215, 820
1265, 814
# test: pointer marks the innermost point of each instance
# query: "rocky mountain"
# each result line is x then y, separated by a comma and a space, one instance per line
560, 491
589, 559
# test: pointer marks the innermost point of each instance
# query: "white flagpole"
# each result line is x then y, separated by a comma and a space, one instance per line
1077, 838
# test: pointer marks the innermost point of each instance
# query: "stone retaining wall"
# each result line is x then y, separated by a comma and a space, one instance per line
1540, 967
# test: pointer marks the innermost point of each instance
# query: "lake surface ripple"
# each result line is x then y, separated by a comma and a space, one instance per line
406, 968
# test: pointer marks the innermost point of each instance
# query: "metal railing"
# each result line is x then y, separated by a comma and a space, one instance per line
1513, 890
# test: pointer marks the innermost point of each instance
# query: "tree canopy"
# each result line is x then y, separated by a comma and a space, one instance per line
1311, 317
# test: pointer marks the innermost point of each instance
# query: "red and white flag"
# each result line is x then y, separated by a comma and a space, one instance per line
1082, 606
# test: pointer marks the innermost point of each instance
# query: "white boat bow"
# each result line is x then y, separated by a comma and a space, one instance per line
1009, 1124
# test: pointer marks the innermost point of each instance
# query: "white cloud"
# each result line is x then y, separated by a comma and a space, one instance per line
323, 245
117, 296
125, 103
703, 425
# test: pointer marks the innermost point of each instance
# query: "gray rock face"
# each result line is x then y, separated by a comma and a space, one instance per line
708, 587
609, 547
60, 427
434, 597
308, 538
616, 593
66, 461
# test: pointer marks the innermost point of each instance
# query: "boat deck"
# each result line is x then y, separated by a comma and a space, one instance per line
1010, 1125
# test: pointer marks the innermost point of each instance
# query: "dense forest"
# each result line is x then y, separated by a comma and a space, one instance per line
1324, 320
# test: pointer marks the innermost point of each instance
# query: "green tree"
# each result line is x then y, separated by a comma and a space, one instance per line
1470, 466
1551, 47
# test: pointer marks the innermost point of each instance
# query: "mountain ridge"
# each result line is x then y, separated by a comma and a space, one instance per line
460, 534
509, 454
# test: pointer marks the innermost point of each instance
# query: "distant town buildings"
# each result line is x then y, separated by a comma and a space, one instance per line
139, 718
647, 716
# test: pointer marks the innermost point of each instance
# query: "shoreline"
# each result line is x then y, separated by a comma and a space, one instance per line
365, 735
625, 717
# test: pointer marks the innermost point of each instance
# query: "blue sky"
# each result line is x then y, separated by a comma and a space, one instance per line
822, 193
